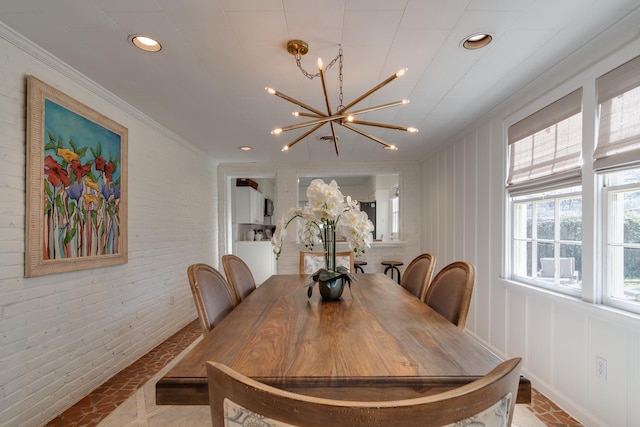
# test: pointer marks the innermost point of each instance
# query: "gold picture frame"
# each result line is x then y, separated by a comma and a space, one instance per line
76, 204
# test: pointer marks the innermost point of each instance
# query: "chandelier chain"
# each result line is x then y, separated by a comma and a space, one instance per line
341, 80
312, 76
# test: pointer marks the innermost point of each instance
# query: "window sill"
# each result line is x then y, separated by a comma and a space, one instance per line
592, 308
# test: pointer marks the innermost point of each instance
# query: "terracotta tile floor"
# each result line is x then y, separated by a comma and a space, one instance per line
97, 405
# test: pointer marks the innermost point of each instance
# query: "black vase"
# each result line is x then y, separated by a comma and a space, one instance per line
331, 290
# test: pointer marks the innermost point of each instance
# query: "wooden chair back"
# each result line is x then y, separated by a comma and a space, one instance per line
213, 296
418, 274
239, 276
235, 400
450, 292
310, 262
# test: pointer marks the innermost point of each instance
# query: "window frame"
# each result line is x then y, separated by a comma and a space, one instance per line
394, 207
598, 271
608, 276
535, 197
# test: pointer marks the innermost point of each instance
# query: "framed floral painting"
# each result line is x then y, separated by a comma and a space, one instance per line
76, 185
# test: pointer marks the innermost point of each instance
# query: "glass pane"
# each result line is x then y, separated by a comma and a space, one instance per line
571, 268
545, 216
571, 219
631, 289
522, 220
632, 267
632, 217
529, 220
545, 259
529, 259
521, 258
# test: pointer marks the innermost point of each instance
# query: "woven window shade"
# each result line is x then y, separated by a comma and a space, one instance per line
546, 147
619, 125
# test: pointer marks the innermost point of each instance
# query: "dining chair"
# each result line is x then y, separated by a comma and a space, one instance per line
213, 296
418, 274
239, 276
450, 292
310, 262
235, 400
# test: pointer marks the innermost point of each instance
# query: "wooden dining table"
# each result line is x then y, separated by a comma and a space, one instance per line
378, 342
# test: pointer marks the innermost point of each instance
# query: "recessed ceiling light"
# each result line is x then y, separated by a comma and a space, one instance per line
476, 41
145, 43
246, 148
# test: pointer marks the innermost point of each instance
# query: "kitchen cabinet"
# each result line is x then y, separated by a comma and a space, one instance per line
259, 257
249, 206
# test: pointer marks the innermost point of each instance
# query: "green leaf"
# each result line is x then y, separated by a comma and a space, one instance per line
59, 203
81, 152
73, 145
70, 235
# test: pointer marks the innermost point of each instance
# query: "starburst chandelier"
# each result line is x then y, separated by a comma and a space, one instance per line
343, 115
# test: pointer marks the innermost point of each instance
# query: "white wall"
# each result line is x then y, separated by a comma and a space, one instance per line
286, 177
63, 335
558, 337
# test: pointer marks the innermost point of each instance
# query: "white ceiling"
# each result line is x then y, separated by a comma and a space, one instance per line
207, 83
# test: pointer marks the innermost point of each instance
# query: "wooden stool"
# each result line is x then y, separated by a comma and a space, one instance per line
357, 265
393, 266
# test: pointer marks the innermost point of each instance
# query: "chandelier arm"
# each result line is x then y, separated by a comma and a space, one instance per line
303, 114
301, 137
380, 125
322, 120
335, 139
324, 91
298, 103
326, 100
369, 92
368, 110
339, 117
376, 139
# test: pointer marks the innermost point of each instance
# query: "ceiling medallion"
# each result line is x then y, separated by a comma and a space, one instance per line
342, 116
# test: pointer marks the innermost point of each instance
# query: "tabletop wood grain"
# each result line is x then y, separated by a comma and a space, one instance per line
377, 342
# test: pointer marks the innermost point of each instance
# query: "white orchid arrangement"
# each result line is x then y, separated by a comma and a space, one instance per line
327, 209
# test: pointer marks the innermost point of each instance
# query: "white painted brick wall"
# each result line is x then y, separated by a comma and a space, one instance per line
63, 335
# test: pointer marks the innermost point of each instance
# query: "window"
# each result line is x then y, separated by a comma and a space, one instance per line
547, 239
544, 185
617, 161
395, 216
545, 196
622, 237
